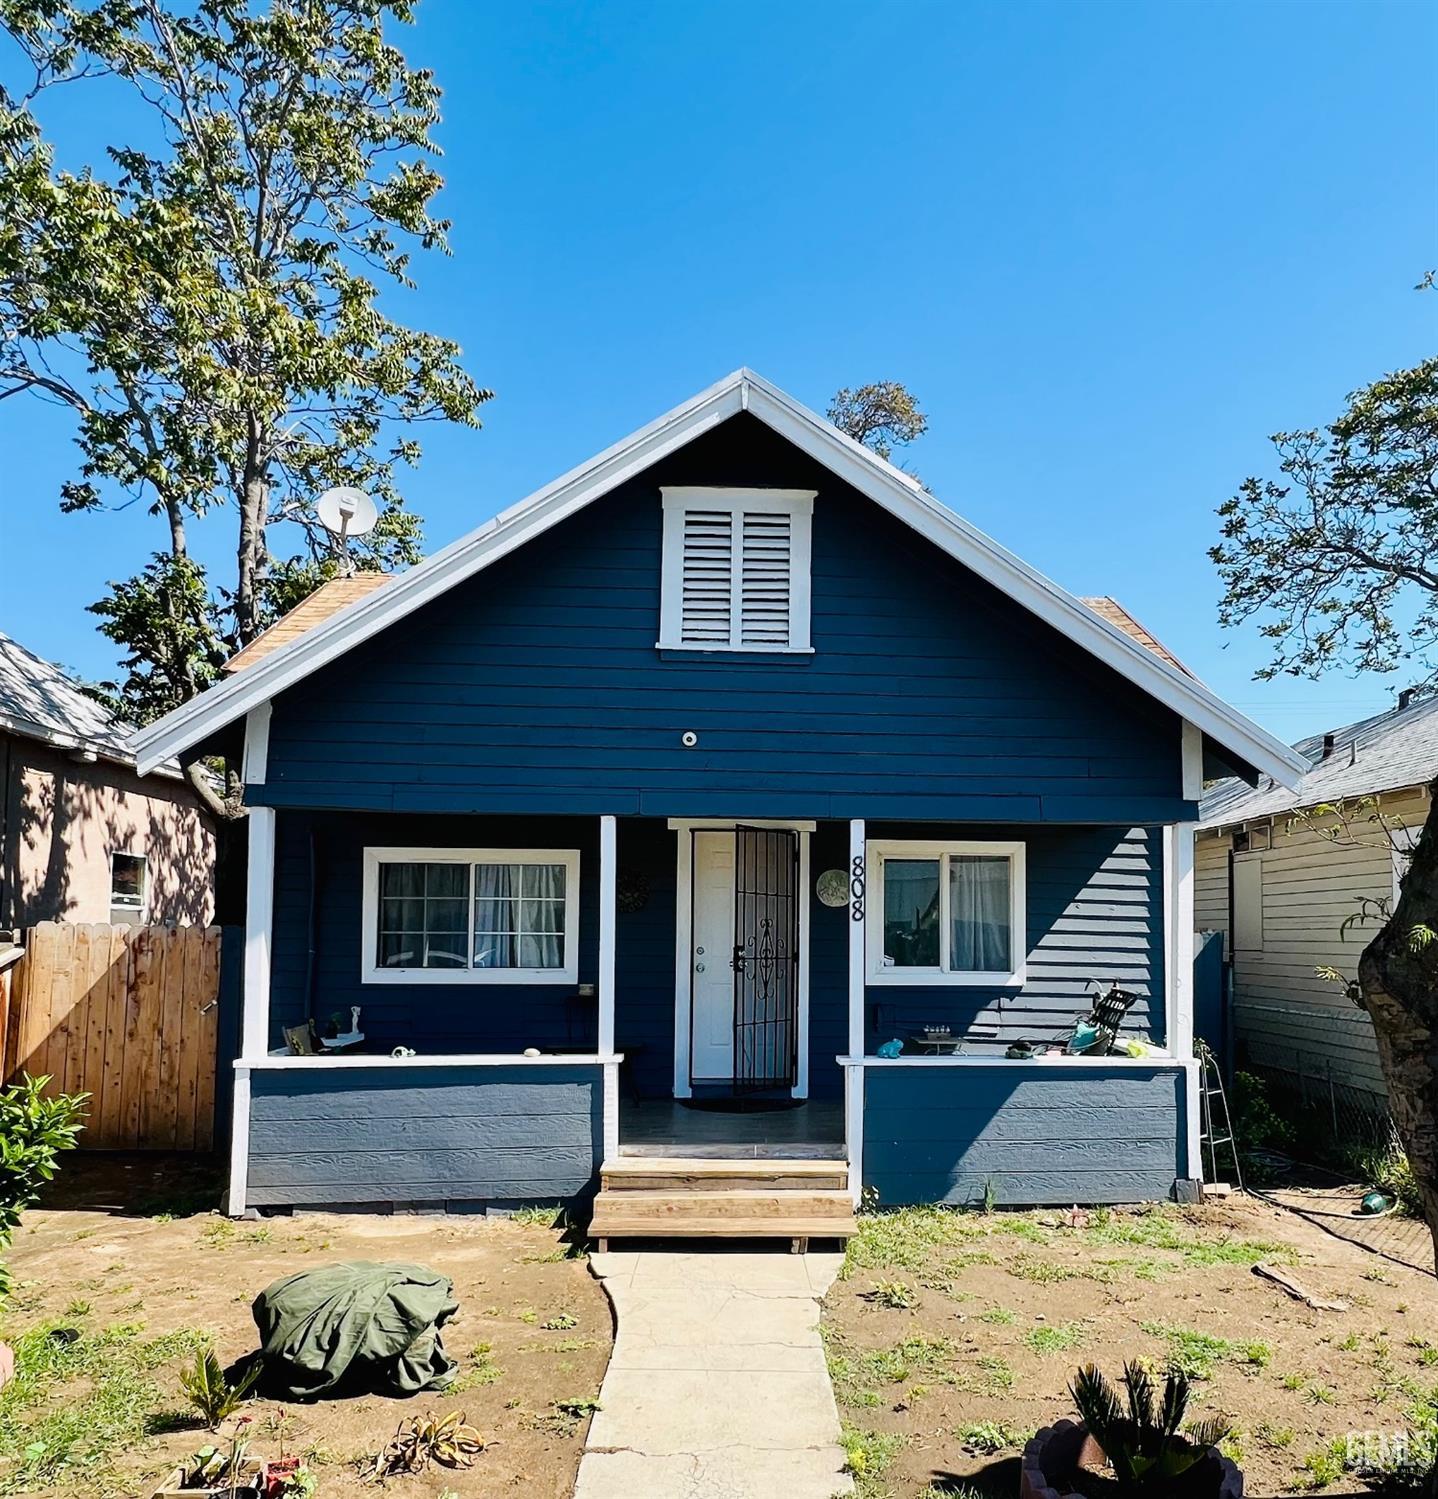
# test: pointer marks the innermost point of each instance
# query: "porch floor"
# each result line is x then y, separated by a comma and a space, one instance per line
665, 1127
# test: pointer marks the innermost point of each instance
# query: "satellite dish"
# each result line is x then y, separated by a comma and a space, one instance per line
346, 512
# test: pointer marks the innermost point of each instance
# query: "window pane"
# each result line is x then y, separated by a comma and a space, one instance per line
446, 880
401, 879
127, 879
911, 913
980, 939
546, 880
399, 949
423, 915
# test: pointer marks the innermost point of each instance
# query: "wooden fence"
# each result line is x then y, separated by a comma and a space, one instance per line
128, 1015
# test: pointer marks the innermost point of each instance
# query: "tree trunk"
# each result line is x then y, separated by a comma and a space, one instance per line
1400, 989
253, 499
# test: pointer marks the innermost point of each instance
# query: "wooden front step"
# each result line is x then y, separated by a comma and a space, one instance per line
646, 1197
654, 1173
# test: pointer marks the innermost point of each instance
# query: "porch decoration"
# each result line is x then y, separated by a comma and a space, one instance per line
631, 890
832, 888
1131, 1448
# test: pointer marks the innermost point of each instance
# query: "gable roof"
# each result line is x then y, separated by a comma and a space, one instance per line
887, 486
1384, 753
38, 701
329, 598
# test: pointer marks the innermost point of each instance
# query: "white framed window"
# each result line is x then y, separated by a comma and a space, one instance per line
129, 888
945, 913
735, 569
470, 916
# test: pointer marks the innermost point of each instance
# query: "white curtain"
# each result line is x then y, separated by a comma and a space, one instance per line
496, 934
541, 917
980, 940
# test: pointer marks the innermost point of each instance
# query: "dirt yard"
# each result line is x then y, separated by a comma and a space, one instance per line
134, 1266
952, 1337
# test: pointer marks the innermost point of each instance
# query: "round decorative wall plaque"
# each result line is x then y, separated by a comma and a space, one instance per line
832, 888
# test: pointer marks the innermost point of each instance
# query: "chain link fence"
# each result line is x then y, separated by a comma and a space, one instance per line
1320, 1072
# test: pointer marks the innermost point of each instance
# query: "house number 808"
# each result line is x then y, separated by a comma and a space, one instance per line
856, 889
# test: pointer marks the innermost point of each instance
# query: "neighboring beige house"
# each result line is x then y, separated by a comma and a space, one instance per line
83, 837
1280, 893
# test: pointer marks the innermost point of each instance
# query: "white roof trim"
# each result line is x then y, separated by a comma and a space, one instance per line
848, 460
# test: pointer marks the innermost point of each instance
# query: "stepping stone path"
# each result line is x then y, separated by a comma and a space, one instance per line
717, 1388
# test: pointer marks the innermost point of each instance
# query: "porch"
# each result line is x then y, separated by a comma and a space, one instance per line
521, 1036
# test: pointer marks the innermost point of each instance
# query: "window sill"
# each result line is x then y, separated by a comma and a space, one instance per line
794, 655
922, 978
555, 978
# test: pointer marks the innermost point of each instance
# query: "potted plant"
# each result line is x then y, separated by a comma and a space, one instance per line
1131, 1448
219, 1472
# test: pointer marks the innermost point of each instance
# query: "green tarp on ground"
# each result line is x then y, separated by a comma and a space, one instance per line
367, 1325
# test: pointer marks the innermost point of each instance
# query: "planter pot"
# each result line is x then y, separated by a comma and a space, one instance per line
1055, 1455
280, 1471
251, 1486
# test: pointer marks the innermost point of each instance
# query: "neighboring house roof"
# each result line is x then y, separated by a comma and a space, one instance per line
1117, 615
329, 598
890, 488
1385, 753
38, 701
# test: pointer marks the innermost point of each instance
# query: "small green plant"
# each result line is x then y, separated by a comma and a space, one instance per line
999, 1316
1274, 1436
988, 1437
561, 1323
867, 1456
1143, 1436
991, 1195
214, 1398
1055, 1339
898, 1295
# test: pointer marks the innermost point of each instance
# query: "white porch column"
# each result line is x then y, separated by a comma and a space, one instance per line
854, 1073
1178, 914
255, 992
259, 919
608, 887
608, 906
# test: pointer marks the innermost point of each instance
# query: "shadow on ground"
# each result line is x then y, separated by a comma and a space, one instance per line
135, 1183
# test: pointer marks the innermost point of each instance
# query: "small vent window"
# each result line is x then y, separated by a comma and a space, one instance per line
736, 569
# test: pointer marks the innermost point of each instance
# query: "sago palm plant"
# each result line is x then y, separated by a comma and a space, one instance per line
1142, 1434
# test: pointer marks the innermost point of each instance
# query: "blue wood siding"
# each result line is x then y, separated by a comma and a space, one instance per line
537, 687
1095, 911
424, 1136
1032, 1132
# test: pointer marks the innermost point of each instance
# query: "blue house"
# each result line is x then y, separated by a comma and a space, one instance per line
639, 820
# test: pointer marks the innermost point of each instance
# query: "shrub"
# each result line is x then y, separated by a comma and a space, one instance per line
33, 1131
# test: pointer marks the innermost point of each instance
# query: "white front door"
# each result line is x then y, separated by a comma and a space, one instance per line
711, 973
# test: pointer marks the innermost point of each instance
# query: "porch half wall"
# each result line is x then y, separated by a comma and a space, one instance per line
1039, 1133
411, 1136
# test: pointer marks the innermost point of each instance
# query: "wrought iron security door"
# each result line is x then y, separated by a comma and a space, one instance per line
766, 958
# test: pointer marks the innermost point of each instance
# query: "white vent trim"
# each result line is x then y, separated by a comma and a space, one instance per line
736, 569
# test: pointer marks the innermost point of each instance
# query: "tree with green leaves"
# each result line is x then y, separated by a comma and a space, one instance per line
882, 416
1338, 562
206, 300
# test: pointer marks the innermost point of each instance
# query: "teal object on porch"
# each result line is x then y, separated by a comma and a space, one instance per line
891, 1049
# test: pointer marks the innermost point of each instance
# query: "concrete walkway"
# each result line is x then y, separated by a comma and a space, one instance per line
717, 1388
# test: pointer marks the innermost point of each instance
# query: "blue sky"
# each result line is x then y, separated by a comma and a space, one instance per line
1111, 247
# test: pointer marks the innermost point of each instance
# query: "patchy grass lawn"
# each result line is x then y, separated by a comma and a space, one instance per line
952, 1336
109, 1305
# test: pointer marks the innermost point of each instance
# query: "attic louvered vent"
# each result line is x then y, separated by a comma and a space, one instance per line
736, 569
